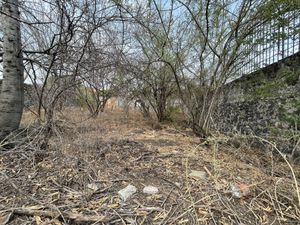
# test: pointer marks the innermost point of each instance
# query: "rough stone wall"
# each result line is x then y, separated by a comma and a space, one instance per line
266, 102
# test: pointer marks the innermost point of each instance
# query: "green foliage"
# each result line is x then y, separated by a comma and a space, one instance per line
107, 93
284, 133
264, 87
291, 113
89, 96
269, 89
173, 114
288, 77
80, 102
117, 2
291, 78
274, 9
293, 120
296, 104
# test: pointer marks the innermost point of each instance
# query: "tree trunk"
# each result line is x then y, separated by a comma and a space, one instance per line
12, 91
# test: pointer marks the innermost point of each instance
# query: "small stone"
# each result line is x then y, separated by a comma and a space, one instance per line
178, 184
198, 174
127, 192
150, 190
93, 186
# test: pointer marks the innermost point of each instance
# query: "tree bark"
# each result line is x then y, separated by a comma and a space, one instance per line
12, 90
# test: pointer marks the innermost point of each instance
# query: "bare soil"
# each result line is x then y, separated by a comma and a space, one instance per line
77, 179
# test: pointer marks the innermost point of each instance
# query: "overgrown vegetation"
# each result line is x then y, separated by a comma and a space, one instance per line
271, 84
126, 92
81, 173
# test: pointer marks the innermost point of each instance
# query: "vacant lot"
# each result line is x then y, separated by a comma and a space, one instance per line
77, 178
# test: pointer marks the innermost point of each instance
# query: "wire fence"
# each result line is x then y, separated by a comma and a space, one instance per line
272, 42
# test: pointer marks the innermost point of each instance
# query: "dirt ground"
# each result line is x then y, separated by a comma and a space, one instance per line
77, 179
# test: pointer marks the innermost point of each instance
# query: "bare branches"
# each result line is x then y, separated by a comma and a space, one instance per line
161, 52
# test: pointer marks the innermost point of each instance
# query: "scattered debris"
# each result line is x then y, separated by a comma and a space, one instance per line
130, 221
127, 192
76, 217
196, 174
94, 186
239, 190
151, 190
78, 181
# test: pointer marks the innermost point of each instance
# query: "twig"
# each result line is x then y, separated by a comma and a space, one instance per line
212, 216
76, 217
287, 162
190, 208
89, 197
207, 171
18, 189
32, 198
118, 216
274, 206
8, 218
162, 204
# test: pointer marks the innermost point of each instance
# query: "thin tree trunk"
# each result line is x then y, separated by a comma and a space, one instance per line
12, 91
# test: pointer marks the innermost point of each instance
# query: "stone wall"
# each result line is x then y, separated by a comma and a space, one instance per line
266, 102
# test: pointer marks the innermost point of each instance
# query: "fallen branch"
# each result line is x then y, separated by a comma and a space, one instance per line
76, 217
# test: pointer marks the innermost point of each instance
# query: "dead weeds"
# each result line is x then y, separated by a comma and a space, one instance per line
76, 181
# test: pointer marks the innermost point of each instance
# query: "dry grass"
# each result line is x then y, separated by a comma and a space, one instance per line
115, 150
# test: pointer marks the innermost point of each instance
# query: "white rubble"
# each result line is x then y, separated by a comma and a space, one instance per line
150, 190
127, 192
196, 174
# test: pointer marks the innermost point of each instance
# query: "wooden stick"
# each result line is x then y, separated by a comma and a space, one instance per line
76, 217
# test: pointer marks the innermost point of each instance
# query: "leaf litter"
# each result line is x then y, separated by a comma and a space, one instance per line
77, 180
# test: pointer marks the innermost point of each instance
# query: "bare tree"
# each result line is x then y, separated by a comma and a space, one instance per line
200, 43
222, 29
158, 53
153, 82
57, 49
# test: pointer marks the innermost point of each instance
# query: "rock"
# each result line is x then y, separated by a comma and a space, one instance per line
93, 186
127, 192
198, 174
179, 185
150, 190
